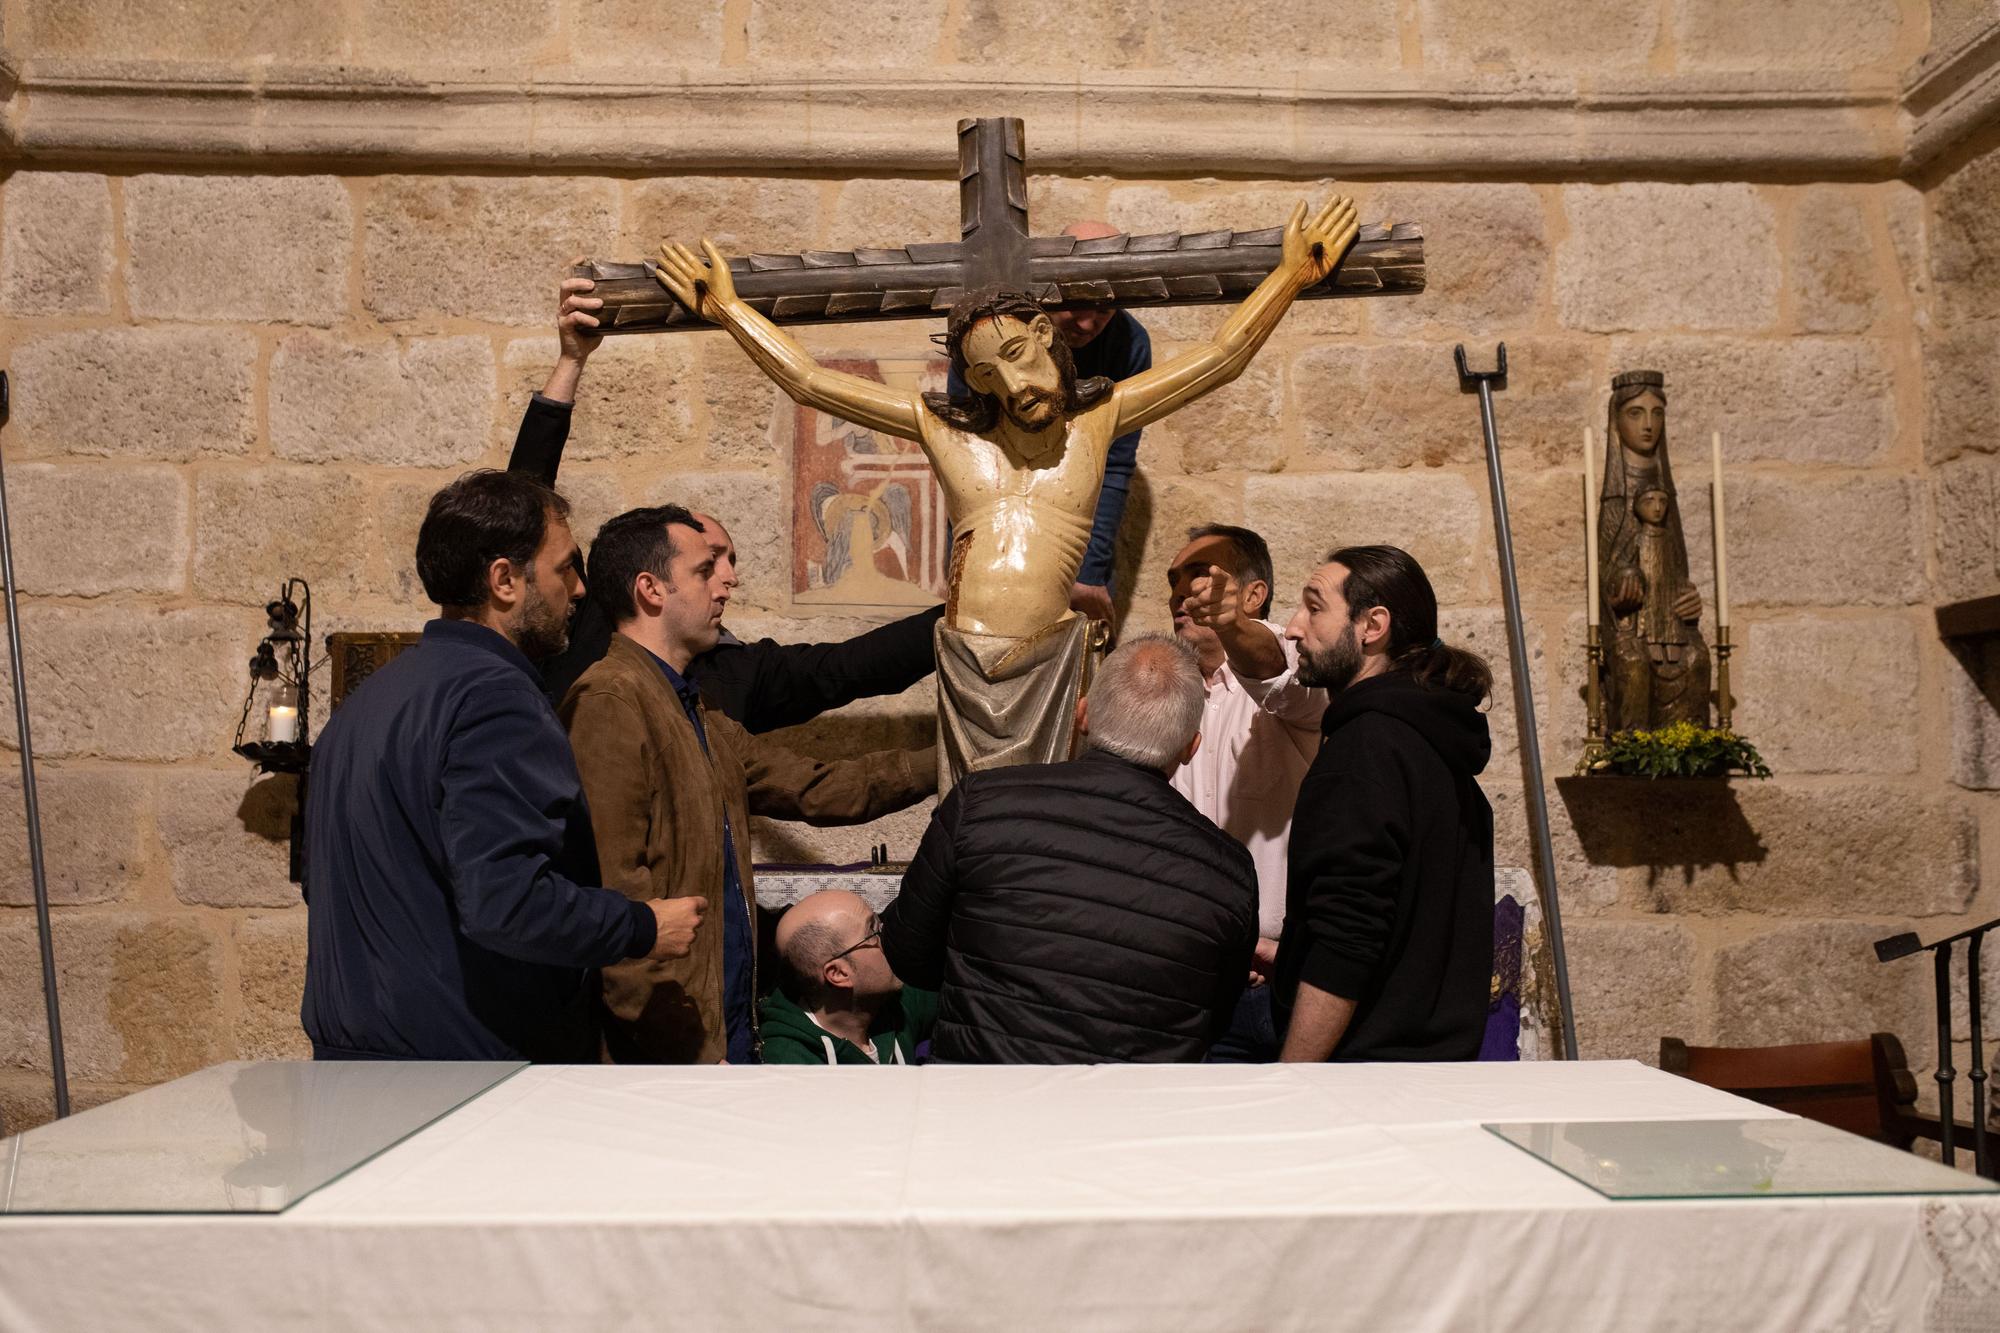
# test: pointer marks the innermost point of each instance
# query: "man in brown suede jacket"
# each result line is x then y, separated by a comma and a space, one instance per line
672, 785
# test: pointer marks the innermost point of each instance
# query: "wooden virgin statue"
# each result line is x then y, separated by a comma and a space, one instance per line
1656, 662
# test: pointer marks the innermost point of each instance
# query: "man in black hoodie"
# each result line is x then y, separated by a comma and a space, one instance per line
1387, 952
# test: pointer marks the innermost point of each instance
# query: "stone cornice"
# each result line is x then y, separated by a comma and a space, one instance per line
641, 121
1950, 96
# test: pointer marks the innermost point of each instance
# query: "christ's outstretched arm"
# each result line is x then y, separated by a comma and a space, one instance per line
1312, 247
709, 290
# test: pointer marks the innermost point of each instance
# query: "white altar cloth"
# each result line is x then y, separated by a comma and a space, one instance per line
1107, 1198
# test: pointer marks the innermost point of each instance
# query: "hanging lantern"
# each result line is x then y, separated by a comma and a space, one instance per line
279, 699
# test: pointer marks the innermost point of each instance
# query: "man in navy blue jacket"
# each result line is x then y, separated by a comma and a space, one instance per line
453, 911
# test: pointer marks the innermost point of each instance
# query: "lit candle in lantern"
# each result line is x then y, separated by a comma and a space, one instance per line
1721, 544
1589, 527
282, 717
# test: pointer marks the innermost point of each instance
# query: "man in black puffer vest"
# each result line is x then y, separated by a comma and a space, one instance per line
1082, 912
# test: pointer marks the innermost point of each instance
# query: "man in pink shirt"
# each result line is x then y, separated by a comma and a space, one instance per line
1259, 732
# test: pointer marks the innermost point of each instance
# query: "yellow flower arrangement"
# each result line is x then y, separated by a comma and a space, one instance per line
1677, 750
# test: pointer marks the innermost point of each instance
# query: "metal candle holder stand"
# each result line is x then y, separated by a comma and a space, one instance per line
58, 1070
1724, 705
1596, 736
1902, 946
1484, 383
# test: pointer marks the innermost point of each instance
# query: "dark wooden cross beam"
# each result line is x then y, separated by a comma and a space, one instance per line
921, 281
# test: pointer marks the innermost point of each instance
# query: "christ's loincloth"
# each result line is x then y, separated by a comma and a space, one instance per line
1005, 701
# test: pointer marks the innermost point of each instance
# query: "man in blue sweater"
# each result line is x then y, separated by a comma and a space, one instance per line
453, 907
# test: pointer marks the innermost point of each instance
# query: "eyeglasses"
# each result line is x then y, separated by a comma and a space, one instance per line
873, 937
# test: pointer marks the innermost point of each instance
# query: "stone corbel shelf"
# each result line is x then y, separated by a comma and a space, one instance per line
1628, 822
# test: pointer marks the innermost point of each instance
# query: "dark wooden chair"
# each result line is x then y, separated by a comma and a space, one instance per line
1864, 1086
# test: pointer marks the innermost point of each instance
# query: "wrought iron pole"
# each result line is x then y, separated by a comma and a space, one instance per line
36, 868
1484, 383
1947, 1077
1981, 1161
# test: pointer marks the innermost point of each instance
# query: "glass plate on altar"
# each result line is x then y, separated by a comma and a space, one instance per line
242, 1137
1730, 1159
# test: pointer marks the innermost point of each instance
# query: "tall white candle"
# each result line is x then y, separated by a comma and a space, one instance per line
1721, 542
1590, 525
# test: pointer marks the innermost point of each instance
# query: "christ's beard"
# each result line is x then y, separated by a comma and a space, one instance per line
1035, 410
1334, 667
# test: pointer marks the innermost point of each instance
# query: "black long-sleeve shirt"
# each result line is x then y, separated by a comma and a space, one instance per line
453, 911
763, 685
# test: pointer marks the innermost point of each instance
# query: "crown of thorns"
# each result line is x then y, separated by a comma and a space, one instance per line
985, 303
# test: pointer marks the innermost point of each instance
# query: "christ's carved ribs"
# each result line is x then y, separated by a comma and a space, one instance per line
921, 281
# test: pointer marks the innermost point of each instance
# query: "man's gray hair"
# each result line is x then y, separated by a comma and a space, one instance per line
1145, 704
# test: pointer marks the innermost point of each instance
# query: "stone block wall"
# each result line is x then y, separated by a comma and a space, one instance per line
232, 364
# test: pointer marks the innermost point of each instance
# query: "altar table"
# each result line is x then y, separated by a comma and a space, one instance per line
1095, 1198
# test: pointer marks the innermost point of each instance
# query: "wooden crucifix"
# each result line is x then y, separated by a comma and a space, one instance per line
1018, 441
923, 280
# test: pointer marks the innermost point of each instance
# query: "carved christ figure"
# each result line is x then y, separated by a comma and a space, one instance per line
1020, 461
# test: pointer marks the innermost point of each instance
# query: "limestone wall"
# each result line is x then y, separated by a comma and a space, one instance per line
270, 274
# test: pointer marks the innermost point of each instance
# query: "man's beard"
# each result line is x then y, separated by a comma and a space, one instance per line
544, 630
1333, 667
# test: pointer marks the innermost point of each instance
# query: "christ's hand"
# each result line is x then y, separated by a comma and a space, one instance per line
1314, 245
707, 289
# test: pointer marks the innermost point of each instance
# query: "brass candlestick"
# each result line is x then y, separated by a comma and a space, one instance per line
1724, 705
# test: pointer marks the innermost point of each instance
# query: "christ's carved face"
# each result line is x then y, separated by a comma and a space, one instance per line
1651, 507
1010, 360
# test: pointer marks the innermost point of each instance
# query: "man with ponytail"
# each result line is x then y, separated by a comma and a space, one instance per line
1387, 951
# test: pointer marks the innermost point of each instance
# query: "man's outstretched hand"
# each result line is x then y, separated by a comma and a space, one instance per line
1214, 600
702, 288
576, 317
1315, 244
577, 334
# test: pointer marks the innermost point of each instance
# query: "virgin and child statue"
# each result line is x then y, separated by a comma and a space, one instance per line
1656, 661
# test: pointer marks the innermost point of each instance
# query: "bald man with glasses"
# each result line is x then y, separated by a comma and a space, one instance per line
841, 1004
